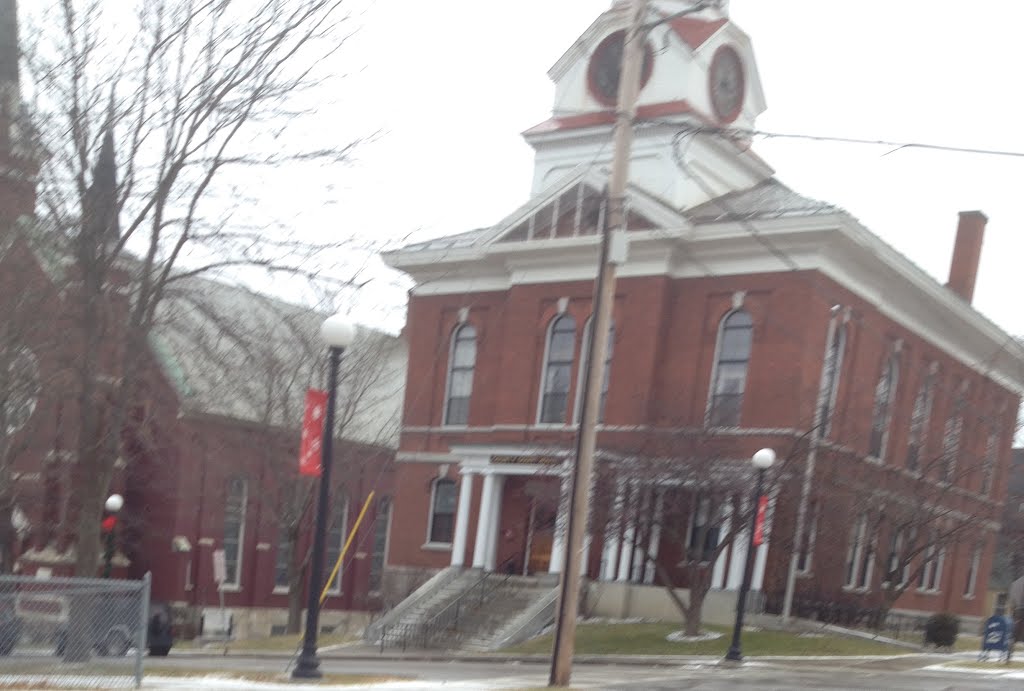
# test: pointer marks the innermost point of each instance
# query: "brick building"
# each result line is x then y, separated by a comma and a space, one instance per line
208, 459
745, 316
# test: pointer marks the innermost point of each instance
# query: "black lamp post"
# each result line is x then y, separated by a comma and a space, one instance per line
113, 506
338, 332
762, 460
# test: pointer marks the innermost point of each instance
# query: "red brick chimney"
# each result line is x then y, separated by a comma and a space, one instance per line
963, 272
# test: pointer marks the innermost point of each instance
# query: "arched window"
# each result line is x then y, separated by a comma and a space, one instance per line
830, 375
885, 394
584, 363
919, 419
561, 351
381, 528
461, 363
952, 438
729, 381
442, 512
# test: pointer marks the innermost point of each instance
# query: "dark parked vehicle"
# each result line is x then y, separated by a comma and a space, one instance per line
10, 626
112, 631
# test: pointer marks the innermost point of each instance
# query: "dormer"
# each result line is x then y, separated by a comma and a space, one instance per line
698, 69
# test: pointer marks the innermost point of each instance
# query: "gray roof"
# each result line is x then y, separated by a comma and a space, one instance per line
767, 199
232, 352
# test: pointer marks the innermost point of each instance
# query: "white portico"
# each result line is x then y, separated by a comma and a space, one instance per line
629, 540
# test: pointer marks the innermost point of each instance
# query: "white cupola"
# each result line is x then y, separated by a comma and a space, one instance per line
698, 70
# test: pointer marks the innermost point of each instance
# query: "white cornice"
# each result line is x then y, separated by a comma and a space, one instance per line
834, 244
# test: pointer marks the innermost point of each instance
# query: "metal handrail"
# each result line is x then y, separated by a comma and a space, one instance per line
447, 619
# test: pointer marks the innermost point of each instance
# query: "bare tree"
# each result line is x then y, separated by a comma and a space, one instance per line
146, 120
685, 503
29, 369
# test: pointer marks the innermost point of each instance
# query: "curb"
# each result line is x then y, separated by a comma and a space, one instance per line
624, 660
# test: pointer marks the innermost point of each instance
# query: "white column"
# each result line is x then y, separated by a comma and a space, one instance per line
628, 535
610, 553
738, 560
561, 527
462, 520
493, 523
483, 522
652, 547
718, 571
643, 524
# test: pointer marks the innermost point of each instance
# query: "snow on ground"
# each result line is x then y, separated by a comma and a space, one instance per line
215, 683
994, 672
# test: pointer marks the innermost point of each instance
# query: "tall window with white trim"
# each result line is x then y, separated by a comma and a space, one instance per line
805, 557
972, 571
584, 363
442, 512
885, 395
897, 565
988, 468
860, 555
729, 380
952, 439
919, 419
283, 557
931, 569
830, 376
561, 351
337, 533
234, 528
461, 364
378, 558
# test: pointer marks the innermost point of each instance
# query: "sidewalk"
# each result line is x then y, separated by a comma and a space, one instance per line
373, 653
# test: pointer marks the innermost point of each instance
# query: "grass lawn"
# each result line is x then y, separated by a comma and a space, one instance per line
282, 644
649, 639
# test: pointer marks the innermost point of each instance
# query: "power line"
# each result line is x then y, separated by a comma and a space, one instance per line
741, 133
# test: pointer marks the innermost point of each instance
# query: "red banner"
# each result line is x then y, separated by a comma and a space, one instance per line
312, 433
762, 509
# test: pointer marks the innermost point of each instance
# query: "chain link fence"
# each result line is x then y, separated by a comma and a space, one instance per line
75, 633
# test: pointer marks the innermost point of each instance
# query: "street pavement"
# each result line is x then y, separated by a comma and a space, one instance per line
892, 674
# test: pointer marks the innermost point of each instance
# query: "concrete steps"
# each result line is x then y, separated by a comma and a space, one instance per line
483, 622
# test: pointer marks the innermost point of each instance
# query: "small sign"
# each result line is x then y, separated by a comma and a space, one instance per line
762, 511
220, 567
526, 460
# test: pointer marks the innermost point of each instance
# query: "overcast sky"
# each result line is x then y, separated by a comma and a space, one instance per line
452, 83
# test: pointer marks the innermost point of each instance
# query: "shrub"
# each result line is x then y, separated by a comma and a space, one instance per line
941, 630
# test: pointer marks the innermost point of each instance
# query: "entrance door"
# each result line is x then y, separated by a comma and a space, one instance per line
542, 538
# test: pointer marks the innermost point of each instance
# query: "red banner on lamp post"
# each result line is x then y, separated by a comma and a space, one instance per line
312, 433
762, 510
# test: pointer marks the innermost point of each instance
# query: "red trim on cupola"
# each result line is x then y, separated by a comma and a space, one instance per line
607, 117
696, 32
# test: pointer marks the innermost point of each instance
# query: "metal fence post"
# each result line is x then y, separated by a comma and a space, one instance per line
140, 642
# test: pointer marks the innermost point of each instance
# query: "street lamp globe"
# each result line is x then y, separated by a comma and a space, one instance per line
338, 331
114, 503
764, 459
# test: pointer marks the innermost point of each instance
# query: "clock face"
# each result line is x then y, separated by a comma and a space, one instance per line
727, 83
21, 382
606, 67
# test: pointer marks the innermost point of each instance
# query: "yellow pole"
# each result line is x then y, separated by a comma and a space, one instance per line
344, 549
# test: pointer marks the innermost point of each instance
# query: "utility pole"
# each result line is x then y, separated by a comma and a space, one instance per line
613, 246
604, 294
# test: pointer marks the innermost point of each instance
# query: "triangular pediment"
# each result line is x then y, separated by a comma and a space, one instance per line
576, 207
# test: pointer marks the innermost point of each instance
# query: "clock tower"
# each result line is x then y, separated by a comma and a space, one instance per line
698, 71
